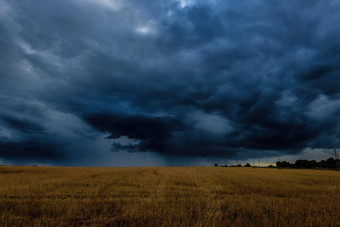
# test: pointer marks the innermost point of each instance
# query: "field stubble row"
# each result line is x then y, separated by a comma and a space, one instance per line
168, 196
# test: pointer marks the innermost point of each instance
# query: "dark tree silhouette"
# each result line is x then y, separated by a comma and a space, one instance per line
308, 164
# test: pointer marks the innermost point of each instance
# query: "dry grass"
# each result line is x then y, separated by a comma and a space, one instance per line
190, 196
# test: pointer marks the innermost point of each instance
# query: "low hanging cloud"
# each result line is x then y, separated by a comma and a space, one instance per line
179, 78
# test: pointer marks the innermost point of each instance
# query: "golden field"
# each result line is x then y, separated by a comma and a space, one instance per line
168, 196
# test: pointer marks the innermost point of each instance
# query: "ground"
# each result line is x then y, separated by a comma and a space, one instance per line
168, 196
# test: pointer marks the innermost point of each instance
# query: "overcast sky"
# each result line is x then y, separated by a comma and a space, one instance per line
171, 82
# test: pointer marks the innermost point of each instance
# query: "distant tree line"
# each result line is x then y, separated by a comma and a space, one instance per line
330, 163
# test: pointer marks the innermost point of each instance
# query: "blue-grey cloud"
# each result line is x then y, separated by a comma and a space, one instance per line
179, 78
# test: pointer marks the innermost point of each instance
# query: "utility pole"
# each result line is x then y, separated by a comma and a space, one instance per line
335, 154
337, 161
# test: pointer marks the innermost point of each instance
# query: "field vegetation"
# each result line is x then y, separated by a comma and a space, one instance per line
168, 196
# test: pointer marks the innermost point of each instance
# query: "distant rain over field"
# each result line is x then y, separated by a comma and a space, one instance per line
188, 82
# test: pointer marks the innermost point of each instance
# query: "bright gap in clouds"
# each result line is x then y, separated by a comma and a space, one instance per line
114, 5
185, 3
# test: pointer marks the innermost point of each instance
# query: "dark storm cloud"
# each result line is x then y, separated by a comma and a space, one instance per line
31, 150
183, 78
30, 143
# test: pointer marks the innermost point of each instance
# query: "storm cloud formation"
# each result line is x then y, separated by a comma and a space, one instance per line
179, 78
